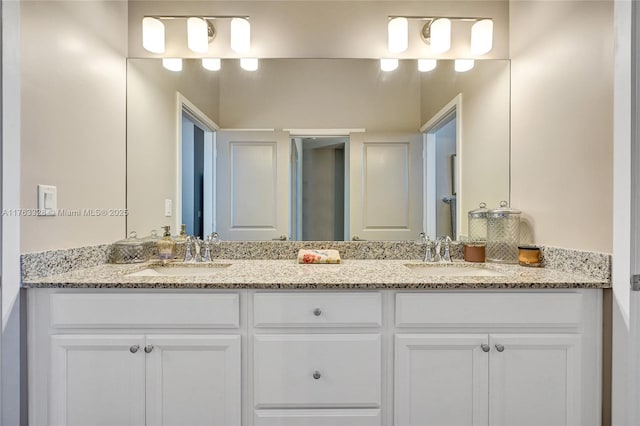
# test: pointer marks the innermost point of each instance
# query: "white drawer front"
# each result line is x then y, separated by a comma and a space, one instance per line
325, 417
478, 310
168, 310
317, 309
347, 369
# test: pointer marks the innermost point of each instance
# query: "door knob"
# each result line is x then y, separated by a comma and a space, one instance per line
148, 348
499, 347
133, 349
485, 347
317, 312
316, 375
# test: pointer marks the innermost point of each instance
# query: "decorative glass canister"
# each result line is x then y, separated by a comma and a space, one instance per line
503, 234
478, 225
129, 250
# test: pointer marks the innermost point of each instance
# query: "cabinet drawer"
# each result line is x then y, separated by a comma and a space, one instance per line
315, 371
479, 310
317, 309
325, 417
167, 310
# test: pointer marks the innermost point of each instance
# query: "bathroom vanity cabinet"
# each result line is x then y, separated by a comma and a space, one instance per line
275, 357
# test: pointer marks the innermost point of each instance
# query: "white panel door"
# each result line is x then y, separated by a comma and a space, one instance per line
97, 380
535, 380
441, 380
252, 184
193, 380
386, 186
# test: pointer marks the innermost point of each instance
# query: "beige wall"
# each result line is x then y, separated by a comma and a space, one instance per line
484, 155
320, 94
562, 120
73, 74
152, 126
320, 29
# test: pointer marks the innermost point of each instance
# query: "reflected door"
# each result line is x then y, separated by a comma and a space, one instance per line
252, 185
386, 186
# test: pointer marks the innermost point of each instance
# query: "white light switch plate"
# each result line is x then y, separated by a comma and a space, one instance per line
168, 207
47, 200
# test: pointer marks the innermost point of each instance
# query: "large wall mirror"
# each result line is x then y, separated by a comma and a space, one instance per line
315, 149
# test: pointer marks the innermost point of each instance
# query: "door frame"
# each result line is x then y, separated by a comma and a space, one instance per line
429, 129
184, 105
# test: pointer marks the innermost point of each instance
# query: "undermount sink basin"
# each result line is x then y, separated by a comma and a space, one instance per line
181, 270
452, 270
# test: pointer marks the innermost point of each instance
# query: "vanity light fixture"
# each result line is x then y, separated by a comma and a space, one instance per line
199, 33
249, 64
240, 35
440, 35
172, 64
398, 34
388, 64
426, 65
153, 35
481, 37
211, 64
463, 65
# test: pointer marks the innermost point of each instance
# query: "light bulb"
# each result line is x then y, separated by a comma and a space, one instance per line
211, 64
425, 65
388, 64
240, 35
440, 31
398, 35
249, 64
153, 35
464, 65
197, 35
482, 37
172, 64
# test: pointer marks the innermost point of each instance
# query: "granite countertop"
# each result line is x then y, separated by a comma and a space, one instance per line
287, 274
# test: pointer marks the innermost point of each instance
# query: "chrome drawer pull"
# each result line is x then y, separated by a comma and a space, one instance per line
499, 347
316, 375
133, 349
317, 312
485, 347
148, 348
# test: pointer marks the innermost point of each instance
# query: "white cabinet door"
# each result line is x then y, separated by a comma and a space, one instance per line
441, 380
193, 380
252, 184
97, 380
385, 186
535, 380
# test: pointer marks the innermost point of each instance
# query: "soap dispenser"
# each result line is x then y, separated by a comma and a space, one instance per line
166, 246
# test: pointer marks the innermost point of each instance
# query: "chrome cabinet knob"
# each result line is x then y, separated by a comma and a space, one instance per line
316, 375
317, 312
148, 348
485, 347
133, 349
499, 347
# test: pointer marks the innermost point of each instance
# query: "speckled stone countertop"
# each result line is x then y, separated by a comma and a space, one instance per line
287, 274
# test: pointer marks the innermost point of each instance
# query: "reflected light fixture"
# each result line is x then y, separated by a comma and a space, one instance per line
482, 37
211, 64
440, 34
464, 65
398, 34
426, 65
172, 64
153, 35
198, 35
240, 35
249, 64
388, 64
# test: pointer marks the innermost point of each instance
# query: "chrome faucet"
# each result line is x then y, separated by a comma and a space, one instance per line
447, 244
433, 253
428, 253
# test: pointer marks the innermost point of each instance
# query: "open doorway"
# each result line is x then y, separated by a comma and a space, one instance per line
318, 194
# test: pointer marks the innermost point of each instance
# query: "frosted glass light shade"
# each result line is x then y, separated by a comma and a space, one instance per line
482, 37
426, 65
172, 64
153, 35
398, 35
388, 64
440, 35
240, 35
249, 64
464, 65
211, 64
197, 35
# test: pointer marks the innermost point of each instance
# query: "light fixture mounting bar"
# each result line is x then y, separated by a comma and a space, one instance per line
433, 18
168, 17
